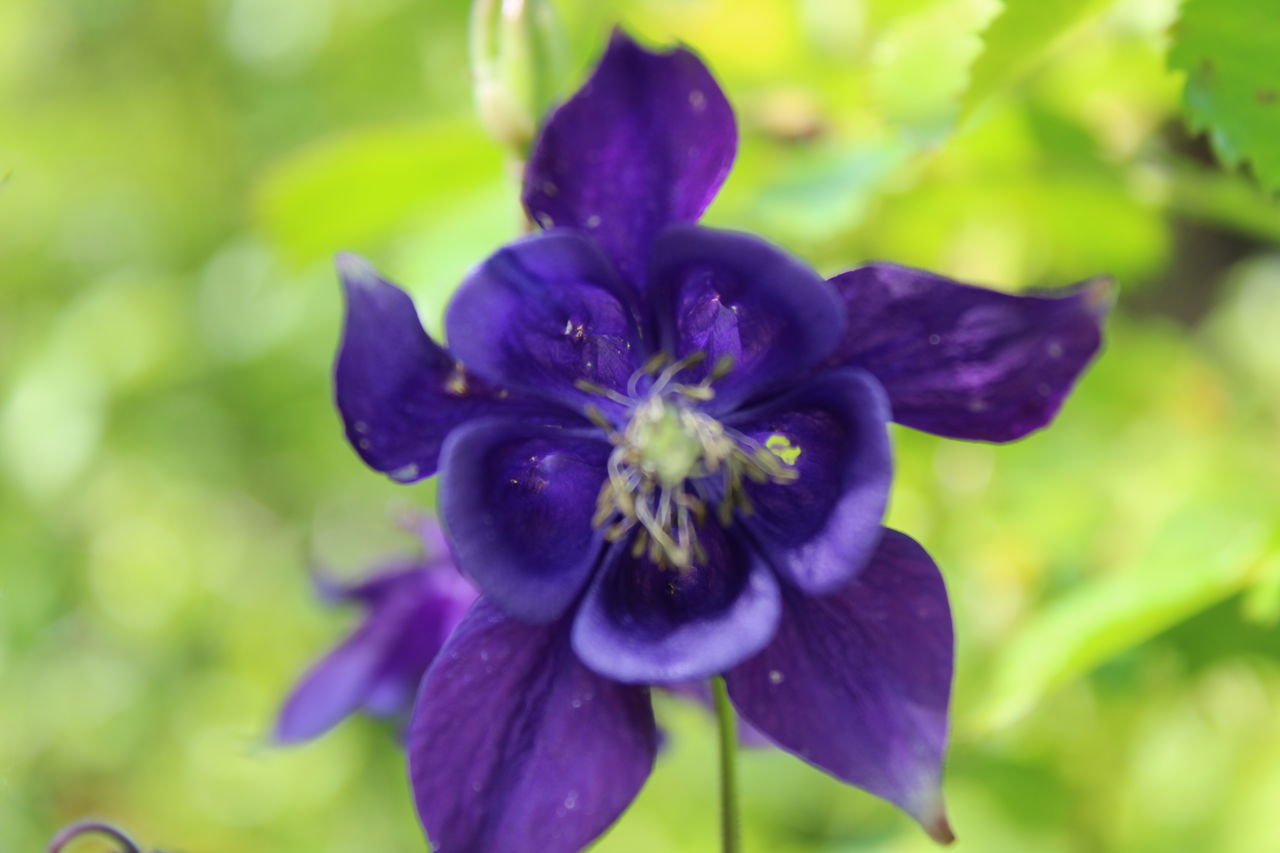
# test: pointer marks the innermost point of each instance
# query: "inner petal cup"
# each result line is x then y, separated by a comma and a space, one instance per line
517, 500
744, 303
819, 529
641, 623
544, 315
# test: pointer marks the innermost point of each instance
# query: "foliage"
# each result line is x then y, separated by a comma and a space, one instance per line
1230, 51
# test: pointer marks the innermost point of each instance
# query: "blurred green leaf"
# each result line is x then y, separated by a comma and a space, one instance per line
1200, 556
352, 190
1230, 50
1019, 36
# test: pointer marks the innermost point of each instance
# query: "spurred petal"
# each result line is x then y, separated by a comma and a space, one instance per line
641, 623
647, 141
544, 313
517, 500
963, 361
819, 530
516, 746
398, 391
737, 298
857, 682
338, 684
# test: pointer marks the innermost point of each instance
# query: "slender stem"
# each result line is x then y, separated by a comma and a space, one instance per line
728, 722
78, 830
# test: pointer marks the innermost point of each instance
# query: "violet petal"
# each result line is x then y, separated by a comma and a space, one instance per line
398, 391
516, 746
339, 683
858, 682
442, 599
517, 500
963, 361
647, 141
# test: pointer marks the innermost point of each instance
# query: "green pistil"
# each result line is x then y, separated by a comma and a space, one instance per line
667, 448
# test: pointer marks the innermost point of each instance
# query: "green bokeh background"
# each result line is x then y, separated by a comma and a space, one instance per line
176, 177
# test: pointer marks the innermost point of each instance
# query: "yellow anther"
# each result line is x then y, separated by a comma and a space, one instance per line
655, 362
722, 367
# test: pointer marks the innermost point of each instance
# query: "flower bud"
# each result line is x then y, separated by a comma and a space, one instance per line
515, 59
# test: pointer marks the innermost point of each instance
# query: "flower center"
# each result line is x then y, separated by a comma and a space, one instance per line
672, 462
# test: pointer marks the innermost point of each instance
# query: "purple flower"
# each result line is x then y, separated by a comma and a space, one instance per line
663, 455
411, 608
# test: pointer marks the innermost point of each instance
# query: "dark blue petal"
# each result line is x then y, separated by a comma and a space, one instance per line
518, 500
963, 361
819, 530
398, 391
735, 296
640, 623
544, 313
517, 747
647, 141
858, 682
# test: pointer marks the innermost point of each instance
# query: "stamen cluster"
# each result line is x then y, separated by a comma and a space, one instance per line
671, 461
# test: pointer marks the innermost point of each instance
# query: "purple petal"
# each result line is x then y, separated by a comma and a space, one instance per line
857, 682
735, 296
640, 623
963, 361
647, 141
443, 597
819, 530
516, 746
544, 313
517, 500
398, 391
411, 612
421, 637
338, 684
389, 580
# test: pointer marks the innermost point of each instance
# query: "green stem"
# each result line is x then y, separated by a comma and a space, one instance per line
728, 722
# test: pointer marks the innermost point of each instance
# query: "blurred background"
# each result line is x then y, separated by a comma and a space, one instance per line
177, 175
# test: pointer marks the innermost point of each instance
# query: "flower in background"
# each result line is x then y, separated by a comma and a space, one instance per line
411, 608
664, 456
